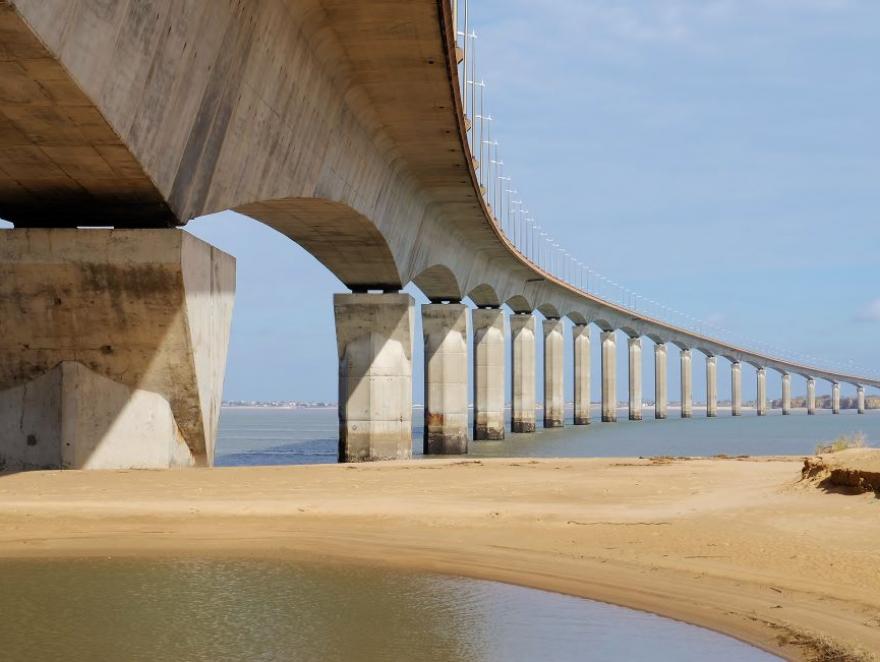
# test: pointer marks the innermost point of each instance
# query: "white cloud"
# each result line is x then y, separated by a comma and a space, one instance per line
870, 312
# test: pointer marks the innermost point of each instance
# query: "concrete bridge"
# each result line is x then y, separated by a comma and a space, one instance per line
341, 125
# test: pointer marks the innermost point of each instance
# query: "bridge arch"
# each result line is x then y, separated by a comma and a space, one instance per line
438, 283
519, 304
484, 295
549, 311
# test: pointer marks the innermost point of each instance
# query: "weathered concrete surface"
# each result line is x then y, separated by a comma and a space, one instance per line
609, 377
554, 398
786, 394
736, 389
687, 389
711, 386
522, 364
835, 398
374, 344
661, 381
488, 373
142, 312
761, 402
581, 353
811, 396
445, 331
861, 399
635, 378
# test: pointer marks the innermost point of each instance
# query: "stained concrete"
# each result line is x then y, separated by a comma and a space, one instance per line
687, 389
661, 381
374, 345
488, 373
711, 386
609, 377
581, 353
106, 334
554, 398
445, 330
522, 348
635, 378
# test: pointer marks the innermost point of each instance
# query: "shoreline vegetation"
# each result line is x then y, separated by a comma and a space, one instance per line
750, 547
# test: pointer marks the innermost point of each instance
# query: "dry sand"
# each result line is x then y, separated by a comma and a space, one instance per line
740, 546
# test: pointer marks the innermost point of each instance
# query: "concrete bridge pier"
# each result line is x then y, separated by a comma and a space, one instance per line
687, 393
609, 377
488, 373
761, 402
374, 344
661, 381
861, 399
811, 396
522, 348
554, 398
445, 331
835, 397
711, 387
581, 346
635, 379
736, 389
112, 348
786, 394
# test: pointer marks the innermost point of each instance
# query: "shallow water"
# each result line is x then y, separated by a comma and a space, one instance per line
309, 436
213, 611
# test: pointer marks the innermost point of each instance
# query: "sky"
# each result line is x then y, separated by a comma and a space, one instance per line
718, 156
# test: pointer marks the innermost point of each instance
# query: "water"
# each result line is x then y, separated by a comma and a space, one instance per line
309, 436
214, 611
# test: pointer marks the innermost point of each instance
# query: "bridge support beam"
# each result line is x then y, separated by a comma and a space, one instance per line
445, 331
736, 389
711, 386
661, 381
811, 396
488, 373
374, 343
687, 392
113, 348
835, 398
635, 379
761, 402
522, 348
861, 399
581, 346
609, 377
786, 394
554, 398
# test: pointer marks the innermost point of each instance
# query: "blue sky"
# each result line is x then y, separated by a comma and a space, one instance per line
720, 156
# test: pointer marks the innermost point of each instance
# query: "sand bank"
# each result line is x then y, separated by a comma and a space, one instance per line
740, 546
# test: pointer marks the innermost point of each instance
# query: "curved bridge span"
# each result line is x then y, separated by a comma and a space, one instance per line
341, 125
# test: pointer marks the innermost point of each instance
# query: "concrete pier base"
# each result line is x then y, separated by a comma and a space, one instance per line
488, 374
661, 381
861, 399
445, 332
687, 391
635, 378
581, 346
835, 398
374, 345
711, 386
554, 400
736, 390
786, 394
522, 349
609, 377
811, 396
112, 349
761, 402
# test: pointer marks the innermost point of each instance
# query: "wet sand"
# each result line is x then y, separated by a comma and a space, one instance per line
741, 546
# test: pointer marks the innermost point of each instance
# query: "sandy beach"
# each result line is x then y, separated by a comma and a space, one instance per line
741, 546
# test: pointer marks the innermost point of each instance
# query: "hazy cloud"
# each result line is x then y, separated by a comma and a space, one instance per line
870, 312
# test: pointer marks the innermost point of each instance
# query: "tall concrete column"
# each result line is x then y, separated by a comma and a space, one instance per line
811, 396
374, 343
861, 398
687, 393
661, 381
522, 349
609, 377
635, 379
445, 331
835, 398
761, 403
554, 398
735, 388
711, 386
786, 394
581, 343
488, 373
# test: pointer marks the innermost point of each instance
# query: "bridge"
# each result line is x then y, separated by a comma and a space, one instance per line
343, 126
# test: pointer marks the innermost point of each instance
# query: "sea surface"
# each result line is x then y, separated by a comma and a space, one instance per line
267, 611
310, 436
